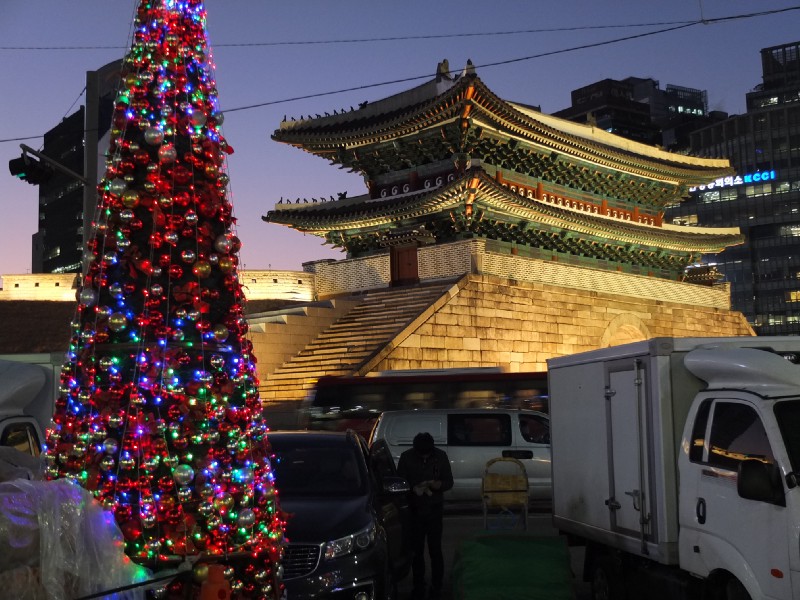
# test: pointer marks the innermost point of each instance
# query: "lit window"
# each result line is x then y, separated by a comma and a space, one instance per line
763, 189
685, 220
792, 230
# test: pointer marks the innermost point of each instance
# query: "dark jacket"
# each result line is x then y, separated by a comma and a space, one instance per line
416, 469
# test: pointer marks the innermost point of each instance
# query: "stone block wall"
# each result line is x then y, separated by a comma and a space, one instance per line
351, 275
292, 285
448, 260
477, 256
494, 321
586, 278
258, 285
54, 287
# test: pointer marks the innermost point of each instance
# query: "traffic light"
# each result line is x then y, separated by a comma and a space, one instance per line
29, 169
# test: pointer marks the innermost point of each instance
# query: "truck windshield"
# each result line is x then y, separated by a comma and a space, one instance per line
787, 413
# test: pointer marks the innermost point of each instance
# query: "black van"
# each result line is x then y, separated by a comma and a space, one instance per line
347, 509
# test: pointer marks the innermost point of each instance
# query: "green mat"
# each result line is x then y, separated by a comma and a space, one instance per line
512, 567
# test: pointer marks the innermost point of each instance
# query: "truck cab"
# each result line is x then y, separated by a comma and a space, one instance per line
27, 394
738, 472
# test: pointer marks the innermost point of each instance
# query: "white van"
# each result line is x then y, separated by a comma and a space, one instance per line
472, 437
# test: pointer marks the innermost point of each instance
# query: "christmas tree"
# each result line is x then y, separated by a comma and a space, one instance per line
159, 414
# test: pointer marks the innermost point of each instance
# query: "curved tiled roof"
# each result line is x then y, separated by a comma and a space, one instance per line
486, 196
469, 102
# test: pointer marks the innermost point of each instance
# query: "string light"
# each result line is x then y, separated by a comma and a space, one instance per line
159, 414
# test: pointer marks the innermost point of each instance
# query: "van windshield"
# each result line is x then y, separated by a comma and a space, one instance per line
317, 471
787, 413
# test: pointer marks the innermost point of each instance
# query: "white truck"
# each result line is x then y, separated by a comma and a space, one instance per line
677, 462
28, 389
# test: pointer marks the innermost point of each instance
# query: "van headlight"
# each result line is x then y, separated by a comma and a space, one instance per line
350, 544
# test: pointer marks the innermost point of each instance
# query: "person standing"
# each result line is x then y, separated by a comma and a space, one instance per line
427, 470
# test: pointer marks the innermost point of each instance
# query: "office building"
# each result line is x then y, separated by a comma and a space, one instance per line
66, 206
763, 199
638, 109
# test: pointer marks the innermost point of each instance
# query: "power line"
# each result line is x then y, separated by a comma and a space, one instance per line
682, 25
429, 75
377, 39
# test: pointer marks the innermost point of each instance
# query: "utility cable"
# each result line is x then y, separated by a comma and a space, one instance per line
398, 38
682, 25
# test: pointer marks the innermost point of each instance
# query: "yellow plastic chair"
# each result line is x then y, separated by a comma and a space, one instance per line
505, 491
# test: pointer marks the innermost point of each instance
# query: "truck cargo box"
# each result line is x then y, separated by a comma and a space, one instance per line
617, 418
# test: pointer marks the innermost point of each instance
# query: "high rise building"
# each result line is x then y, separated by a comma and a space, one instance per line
610, 105
638, 109
66, 206
763, 199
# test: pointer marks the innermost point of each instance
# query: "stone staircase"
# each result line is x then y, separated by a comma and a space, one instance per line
294, 327
354, 341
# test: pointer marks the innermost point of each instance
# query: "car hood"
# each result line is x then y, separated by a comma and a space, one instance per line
314, 520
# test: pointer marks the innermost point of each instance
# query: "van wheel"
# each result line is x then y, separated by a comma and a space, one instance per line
607, 581
734, 590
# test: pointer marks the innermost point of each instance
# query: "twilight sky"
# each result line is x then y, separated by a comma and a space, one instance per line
279, 57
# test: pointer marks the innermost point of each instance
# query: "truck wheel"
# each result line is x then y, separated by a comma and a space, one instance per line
606, 580
734, 590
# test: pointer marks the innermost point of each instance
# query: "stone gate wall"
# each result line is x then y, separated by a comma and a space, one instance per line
519, 325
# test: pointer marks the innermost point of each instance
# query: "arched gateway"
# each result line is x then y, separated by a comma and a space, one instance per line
545, 236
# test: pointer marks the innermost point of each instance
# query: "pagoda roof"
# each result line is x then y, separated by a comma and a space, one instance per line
465, 100
486, 198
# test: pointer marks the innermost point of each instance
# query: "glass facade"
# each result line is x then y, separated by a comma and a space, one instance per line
60, 239
57, 246
763, 200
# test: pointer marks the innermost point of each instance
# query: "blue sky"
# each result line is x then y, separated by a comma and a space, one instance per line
41, 86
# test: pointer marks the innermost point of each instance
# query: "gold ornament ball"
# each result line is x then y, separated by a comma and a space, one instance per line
130, 199
221, 332
117, 322
202, 269
226, 264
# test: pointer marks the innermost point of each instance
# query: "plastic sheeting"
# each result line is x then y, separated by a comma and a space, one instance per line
57, 543
18, 465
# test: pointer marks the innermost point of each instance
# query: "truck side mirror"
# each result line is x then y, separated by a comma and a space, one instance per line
760, 481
